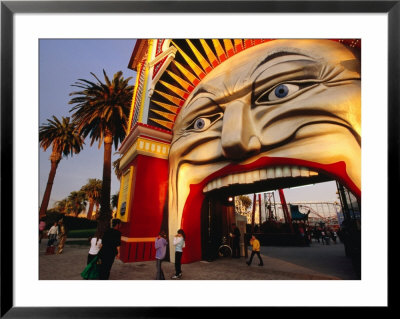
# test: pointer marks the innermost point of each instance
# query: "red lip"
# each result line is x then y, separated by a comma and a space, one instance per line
336, 170
192, 209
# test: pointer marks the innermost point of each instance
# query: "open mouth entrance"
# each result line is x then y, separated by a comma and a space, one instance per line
276, 217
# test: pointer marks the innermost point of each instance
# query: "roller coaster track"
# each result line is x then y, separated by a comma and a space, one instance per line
314, 212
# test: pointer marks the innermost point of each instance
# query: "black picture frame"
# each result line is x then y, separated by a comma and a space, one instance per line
9, 8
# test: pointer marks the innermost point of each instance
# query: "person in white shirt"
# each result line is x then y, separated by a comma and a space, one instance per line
179, 243
53, 233
95, 245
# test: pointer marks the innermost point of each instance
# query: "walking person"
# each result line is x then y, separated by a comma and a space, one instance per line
95, 245
323, 236
236, 242
255, 251
179, 243
52, 234
334, 236
110, 249
62, 236
161, 249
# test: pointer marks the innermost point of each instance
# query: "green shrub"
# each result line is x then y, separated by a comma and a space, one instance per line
81, 233
70, 223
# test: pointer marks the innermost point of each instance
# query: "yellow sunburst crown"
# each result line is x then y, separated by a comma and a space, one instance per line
192, 63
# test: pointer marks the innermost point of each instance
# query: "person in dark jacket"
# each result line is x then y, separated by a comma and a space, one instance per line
111, 242
235, 241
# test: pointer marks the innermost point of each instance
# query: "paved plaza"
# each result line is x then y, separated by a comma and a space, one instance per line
317, 262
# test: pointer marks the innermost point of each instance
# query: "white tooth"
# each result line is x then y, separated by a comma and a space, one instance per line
249, 177
225, 181
219, 182
295, 171
205, 189
312, 173
304, 172
229, 179
256, 176
278, 172
235, 179
263, 174
242, 178
214, 184
286, 171
270, 172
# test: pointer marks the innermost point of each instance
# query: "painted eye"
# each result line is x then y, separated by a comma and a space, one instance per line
200, 123
203, 123
281, 91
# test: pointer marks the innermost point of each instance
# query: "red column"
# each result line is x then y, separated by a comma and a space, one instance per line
259, 208
286, 213
253, 213
145, 153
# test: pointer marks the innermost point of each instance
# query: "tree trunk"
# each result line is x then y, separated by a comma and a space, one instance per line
55, 159
97, 210
90, 210
105, 211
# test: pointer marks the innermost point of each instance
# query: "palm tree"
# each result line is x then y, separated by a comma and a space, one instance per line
114, 200
93, 192
61, 135
117, 170
101, 111
61, 206
77, 202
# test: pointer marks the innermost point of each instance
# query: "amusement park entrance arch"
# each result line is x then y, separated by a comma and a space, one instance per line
209, 121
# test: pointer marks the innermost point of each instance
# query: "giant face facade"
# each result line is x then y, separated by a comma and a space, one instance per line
276, 113
213, 118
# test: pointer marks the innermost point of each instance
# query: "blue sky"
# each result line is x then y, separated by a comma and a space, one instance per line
61, 63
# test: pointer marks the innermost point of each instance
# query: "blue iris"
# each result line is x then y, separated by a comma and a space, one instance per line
281, 91
199, 124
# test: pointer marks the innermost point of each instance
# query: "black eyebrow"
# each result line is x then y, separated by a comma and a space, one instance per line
274, 56
199, 91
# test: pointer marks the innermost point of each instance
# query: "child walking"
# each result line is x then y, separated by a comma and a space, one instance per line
179, 243
255, 250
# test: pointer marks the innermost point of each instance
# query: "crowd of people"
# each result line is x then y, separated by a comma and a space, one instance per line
105, 246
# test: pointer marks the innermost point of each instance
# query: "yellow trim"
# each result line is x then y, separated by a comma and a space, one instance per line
168, 107
134, 97
203, 62
238, 42
218, 47
173, 99
167, 124
191, 77
228, 46
128, 156
211, 56
186, 85
166, 115
138, 239
174, 89
129, 175
146, 147
146, 78
196, 69
153, 147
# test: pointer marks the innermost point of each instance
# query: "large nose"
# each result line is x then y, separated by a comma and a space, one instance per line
239, 135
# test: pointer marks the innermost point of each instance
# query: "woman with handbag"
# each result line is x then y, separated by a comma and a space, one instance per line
95, 245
